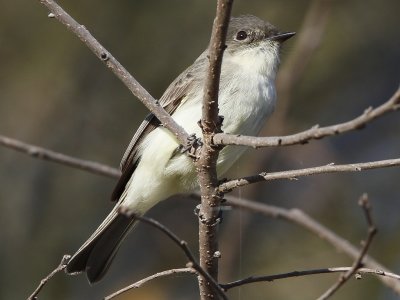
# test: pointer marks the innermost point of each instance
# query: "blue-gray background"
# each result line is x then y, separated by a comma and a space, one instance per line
56, 94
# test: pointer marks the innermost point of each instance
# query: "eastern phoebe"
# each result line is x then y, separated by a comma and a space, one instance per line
153, 167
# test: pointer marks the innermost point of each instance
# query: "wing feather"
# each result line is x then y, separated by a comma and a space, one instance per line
173, 97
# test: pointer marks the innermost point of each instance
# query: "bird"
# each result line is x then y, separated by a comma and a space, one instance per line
154, 167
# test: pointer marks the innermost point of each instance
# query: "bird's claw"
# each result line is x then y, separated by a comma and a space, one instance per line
192, 147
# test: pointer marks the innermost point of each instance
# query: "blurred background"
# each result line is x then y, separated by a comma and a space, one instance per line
56, 94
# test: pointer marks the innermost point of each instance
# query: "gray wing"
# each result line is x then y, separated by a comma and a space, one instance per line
172, 98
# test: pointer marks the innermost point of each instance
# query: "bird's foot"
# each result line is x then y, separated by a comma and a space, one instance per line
192, 147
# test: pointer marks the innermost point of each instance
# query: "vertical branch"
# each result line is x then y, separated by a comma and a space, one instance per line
206, 165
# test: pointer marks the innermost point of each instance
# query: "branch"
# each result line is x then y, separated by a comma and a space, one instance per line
294, 174
315, 132
363, 202
129, 81
143, 281
269, 278
210, 118
298, 217
45, 154
211, 282
43, 282
206, 164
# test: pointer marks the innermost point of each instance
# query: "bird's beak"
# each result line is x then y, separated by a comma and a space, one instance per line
281, 37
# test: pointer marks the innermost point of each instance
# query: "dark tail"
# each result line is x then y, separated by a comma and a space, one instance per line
97, 253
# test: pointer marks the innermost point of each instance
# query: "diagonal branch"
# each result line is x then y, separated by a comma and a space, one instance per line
364, 203
43, 282
313, 133
294, 174
129, 81
45, 154
269, 278
301, 219
193, 264
143, 281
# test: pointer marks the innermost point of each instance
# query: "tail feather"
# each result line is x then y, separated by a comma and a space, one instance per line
97, 253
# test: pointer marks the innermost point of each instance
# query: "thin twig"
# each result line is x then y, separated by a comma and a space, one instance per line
43, 282
143, 281
105, 56
45, 154
183, 245
301, 219
206, 164
294, 174
364, 203
315, 132
269, 278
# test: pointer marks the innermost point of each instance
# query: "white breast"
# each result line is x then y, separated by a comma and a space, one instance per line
248, 96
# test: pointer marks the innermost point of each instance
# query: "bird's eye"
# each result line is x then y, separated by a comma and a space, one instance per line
241, 35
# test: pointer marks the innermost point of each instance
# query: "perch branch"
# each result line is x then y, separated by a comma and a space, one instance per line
206, 164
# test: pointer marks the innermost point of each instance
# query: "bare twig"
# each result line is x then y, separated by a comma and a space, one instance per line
298, 217
143, 281
43, 282
294, 174
105, 56
315, 132
206, 164
45, 154
211, 282
269, 278
364, 203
